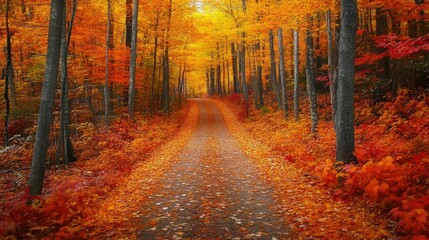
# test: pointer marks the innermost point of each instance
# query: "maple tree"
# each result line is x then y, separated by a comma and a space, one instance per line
357, 127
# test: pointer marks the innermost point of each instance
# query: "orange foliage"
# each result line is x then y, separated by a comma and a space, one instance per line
73, 193
391, 146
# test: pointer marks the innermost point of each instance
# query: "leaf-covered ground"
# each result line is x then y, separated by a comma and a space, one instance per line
212, 180
392, 176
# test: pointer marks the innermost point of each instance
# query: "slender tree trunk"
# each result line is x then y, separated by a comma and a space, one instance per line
166, 67
132, 88
212, 81
260, 87
345, 137
181, 84
311, 87
152, 94
243, 76
128, 22
243, 63
273, 71
382, 29
282, 71
64, 140
7, 78
38, 163
234, 68
296, 74
106, 80
218, 81
227, 68
208, 82
332, 89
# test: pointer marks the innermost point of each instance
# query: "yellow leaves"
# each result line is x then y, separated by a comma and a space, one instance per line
375, 188
387, 162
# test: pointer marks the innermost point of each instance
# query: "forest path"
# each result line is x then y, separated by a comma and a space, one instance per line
214, 181
212, 191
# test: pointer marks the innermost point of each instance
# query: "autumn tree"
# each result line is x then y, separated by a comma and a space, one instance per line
309, 72
7, 77
38, 163
296, 73
106, 93
345, 139
64, 141
131, 92
282, 72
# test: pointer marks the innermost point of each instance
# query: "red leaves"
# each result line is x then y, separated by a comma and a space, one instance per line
391, 146
413, 215
75, 192
398, 47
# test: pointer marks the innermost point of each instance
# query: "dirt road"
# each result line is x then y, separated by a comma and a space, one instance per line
212, 191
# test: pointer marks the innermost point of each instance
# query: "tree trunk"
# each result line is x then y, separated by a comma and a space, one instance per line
212, 81
273, 71
218, 81
234, 69
260, 87
332, 89
133, 59
296, 74
106, 80
166, 67
128, 23
282, 71
243, 76
227, 68
38, 163
345, 138
181, 84
7, 78
152, 94
64, 140
311, 87
382, 29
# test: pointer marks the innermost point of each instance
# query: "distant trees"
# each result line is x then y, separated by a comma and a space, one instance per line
329, 59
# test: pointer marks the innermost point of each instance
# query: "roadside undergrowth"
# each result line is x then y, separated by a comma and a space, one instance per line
311, 209
76, 197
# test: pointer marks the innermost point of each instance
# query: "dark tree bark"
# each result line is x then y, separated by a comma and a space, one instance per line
152, 94
260, 87
64, 141
243, 76
128, 22
243, 63
311, 86
382, 29
7, 78
273, 71
106, 79
133, 59
345, 137
181, 84
166, 66
212, 82
38, 163
234, 69
332, 89
218, 81
282, 72
296, 74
